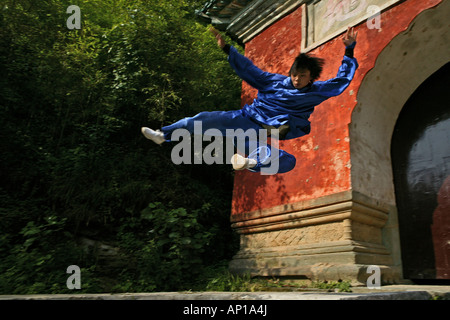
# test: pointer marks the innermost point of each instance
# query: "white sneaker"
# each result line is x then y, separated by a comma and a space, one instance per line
240, 163
155, 135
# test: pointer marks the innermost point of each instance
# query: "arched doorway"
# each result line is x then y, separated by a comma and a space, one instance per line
420, 152
409, 59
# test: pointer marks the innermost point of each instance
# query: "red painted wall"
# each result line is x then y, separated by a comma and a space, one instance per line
323, 156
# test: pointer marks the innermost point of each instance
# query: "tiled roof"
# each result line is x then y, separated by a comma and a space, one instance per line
224, 8
221, 12
244, 19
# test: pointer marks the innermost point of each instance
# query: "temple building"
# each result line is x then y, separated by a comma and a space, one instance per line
371, 186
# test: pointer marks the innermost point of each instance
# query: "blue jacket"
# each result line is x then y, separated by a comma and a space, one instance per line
279, 102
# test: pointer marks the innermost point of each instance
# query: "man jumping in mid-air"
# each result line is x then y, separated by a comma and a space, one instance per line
283, 105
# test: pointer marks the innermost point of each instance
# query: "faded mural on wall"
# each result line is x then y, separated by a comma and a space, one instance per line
328, 18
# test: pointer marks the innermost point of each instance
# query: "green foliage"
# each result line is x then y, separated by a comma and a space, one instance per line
172, 253
340, 286
231, 282
74, 163
218, 278
39, 251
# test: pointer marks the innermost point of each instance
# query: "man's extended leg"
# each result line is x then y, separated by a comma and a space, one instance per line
155, 135
261, 157
262, 154
219, 120
266, 159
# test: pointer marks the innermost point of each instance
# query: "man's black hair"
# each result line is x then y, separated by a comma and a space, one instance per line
313, 64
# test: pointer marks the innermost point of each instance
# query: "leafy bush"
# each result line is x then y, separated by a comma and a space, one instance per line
38, 258
74, 163
173, 252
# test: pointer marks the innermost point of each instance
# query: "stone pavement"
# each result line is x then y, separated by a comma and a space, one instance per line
389, 292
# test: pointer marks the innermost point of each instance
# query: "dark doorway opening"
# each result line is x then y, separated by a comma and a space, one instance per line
420, 153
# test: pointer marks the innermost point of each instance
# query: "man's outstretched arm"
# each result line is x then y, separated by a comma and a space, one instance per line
220, 41
349, 41
337, 85
243, 66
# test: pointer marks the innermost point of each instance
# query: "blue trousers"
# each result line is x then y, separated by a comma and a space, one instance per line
227, 124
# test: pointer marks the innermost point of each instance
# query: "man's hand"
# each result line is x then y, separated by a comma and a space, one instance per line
349, 37
220, 42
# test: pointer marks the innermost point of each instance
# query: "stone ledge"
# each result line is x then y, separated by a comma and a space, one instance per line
329, 238
384, 293
322, 204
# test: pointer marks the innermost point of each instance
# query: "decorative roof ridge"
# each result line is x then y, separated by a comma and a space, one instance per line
244, 19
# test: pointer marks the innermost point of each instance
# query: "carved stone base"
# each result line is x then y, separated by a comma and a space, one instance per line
331, 238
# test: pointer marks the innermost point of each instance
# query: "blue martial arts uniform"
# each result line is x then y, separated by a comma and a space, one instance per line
278, 104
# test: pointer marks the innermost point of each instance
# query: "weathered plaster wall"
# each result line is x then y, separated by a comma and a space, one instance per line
405, 62
324, 166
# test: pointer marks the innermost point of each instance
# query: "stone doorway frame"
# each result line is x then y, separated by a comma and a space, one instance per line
381, 97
